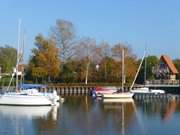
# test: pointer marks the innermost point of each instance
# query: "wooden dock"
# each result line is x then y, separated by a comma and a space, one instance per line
146, 96
163, 83
85, 90
71, 90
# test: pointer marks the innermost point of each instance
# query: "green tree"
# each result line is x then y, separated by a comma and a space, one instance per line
45, 61
69, 73
151, 62
7, 58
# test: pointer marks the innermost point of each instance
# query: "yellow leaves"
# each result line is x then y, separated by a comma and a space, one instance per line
46, 58
38, 72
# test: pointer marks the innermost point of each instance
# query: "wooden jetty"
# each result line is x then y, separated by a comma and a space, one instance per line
170, 86
85, 90
71, 90
147, 96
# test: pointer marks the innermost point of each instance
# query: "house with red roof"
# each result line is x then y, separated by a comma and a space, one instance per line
166, 69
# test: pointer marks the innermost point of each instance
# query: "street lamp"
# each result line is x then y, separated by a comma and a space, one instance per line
97, 67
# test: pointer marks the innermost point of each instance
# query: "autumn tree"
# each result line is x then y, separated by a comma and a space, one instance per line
130, 61
108, 71
45, 61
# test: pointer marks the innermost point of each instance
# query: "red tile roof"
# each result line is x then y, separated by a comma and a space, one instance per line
169, 63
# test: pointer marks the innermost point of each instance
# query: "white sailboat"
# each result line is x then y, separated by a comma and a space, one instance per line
144, 90
122, 96
29, 97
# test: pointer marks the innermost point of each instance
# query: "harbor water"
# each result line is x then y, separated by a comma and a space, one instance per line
82, 115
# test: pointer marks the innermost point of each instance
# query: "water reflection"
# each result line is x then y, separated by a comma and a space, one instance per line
121, 113
19, 120
158, 116
84, 116
170, 110
163, 108
28, 112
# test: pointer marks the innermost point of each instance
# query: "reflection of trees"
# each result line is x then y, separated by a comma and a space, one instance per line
78, 102
164, 108
178, 106
81, 116
152, 107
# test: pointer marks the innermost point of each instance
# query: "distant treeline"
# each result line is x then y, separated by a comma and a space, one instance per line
63, 57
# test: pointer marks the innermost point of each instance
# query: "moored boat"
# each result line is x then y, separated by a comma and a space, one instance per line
146, 90
119, 95
20, 99
28, 97
100, 90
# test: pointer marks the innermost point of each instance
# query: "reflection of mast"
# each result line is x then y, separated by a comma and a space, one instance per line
123, 124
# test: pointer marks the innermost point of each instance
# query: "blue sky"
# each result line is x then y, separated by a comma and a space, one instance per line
140, 23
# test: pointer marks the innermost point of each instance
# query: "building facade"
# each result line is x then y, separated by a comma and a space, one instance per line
166, 69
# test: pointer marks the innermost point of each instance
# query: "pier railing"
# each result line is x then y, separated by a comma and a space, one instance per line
163, 82
71, 90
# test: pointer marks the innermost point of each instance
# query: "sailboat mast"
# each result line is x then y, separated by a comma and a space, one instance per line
137, 72
145, 66
21, 58
17, 61
122, 86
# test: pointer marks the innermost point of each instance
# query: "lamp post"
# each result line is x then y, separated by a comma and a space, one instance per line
97, 67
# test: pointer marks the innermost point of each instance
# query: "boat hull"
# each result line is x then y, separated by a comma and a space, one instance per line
118, 100
147, 91
123, 95
25, 100
99, 91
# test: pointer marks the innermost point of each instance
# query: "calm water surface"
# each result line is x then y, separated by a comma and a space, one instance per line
84, 116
